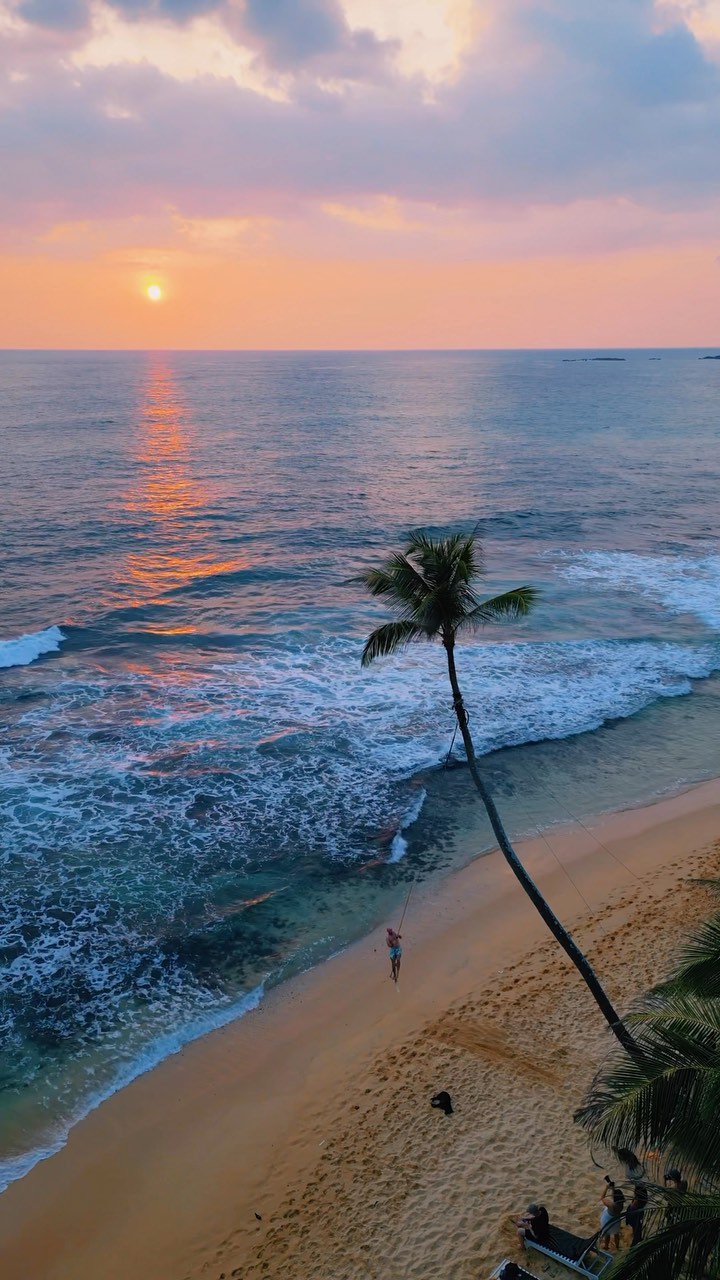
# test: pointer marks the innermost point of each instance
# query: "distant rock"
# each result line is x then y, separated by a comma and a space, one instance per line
708, 357
614, 359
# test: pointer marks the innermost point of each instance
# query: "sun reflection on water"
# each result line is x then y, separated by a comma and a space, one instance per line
175, 549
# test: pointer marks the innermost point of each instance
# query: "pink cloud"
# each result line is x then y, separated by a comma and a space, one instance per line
581, 124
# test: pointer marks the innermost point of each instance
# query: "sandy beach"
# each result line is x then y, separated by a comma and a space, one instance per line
300, 1141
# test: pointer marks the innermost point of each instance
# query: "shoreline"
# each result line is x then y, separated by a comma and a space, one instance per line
254, 1093
158, 1052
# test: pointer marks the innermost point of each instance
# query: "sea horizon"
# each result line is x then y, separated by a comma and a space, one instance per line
369, 350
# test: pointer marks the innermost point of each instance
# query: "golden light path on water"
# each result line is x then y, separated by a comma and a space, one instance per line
168, 493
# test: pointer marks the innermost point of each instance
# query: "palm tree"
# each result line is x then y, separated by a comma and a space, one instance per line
431, 586
666, 1096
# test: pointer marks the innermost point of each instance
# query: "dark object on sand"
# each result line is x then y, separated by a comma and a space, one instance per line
443, 1101
511, 1271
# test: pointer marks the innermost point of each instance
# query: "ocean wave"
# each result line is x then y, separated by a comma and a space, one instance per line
399, 846
138, 805
23, 650
682, 584
297, 750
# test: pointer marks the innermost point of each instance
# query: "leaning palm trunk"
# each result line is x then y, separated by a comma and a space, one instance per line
431, 586
543, 908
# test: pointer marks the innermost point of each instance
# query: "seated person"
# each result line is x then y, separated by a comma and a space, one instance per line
534, 1225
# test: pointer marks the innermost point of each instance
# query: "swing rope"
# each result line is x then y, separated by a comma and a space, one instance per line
412, 886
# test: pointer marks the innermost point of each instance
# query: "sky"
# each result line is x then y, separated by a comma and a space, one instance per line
359, 173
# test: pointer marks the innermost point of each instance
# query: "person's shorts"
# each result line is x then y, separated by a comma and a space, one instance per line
395, 953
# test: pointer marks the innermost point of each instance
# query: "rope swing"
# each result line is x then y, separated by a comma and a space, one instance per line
412, 886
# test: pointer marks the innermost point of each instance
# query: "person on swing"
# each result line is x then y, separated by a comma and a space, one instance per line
393, 942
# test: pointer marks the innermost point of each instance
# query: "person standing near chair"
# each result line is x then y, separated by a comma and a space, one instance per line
612, 1206
636, 1212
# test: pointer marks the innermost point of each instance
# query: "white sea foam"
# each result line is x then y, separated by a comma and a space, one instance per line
25, 649
399, 846
299, 752
682, 584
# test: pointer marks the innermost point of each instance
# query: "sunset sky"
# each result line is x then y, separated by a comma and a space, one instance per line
359, 173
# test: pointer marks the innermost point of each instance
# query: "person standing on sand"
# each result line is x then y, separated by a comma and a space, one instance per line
393, 942
636, 1212
612, 1208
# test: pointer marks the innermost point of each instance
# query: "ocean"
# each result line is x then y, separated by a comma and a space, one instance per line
201, 791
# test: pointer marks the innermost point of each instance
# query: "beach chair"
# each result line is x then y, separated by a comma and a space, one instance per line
579, 1253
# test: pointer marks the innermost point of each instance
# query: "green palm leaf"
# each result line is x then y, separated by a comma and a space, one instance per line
700, 967
666, 1095
389, 638
510, 605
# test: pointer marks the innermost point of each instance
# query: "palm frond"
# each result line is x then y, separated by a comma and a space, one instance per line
667, 1094
511, 604
687, 1242
379, 581
408, 578
456, 556
389, 638
699, 970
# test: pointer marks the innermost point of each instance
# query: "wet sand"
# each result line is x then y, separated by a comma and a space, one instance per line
299, 1142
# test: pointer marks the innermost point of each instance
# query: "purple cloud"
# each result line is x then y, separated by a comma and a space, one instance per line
74, 14
553, 105
176, 10
290, 33
61, 15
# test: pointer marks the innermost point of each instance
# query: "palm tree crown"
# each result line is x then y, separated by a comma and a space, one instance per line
431, 586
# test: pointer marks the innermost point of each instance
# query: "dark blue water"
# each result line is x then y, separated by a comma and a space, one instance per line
200, 790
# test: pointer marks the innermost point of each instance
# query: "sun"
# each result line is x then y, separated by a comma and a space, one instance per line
154, 292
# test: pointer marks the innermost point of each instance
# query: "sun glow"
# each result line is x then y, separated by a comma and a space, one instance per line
154, 292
